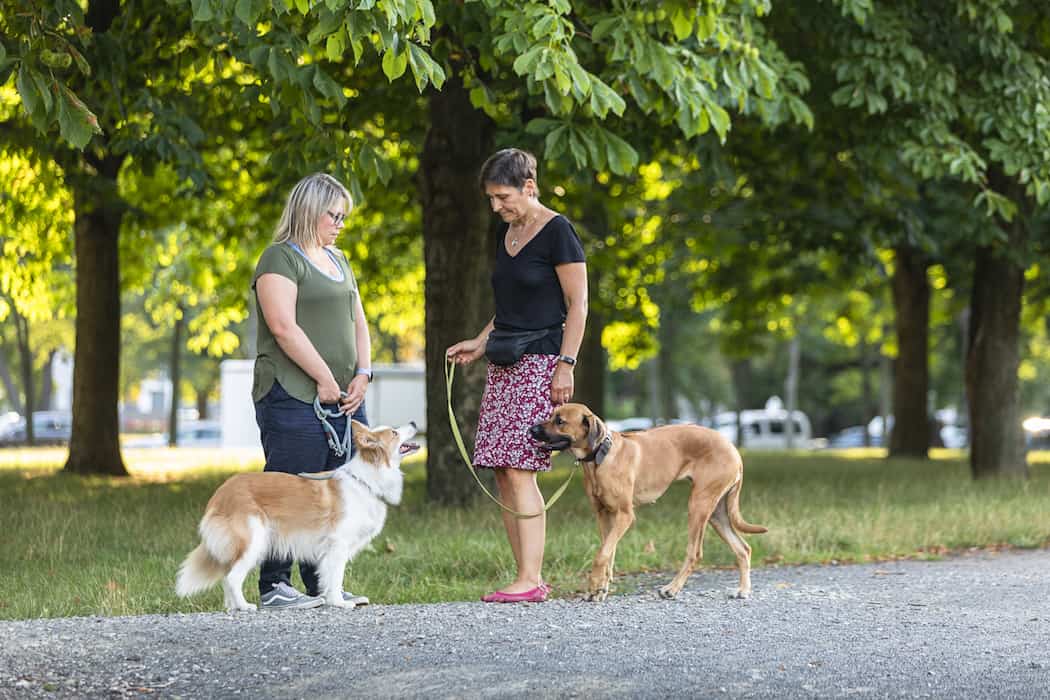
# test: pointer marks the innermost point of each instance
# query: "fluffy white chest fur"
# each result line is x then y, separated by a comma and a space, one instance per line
323, 518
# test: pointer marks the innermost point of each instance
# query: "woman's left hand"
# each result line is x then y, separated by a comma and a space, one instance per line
355, 394
561, 384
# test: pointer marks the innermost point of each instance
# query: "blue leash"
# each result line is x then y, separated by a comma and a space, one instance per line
323, 414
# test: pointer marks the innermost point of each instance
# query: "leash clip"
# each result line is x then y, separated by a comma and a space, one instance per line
339, 447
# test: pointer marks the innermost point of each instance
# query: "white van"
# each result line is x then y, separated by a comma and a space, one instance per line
766, 429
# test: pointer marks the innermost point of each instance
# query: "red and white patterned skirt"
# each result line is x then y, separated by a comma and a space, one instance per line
516, 397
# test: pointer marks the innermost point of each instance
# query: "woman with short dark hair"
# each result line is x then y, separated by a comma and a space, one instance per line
540, 286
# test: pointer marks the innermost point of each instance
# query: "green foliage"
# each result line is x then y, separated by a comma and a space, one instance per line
36, 222
957, 108
44, 51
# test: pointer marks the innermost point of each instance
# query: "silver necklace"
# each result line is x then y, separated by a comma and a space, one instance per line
524, 227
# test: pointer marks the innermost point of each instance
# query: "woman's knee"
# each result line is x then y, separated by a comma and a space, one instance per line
515, 480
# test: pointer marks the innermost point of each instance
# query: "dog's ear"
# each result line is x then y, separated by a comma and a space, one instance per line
593, 427
362, 435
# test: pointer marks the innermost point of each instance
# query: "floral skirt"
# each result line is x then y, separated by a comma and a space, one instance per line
516, 397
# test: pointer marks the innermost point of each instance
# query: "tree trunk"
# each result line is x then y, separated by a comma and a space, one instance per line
791, 390
202, 403
885, 388
590, 370
911, 300
10, 388
47, 382
667, 403
589, 377
94, 447
458, 246
866, 392
26, 358
176, 378
740, 370
996, 438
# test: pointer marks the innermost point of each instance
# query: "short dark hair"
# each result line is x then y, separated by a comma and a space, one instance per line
510, 166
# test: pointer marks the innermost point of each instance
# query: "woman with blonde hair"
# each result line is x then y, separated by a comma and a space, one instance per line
313, 341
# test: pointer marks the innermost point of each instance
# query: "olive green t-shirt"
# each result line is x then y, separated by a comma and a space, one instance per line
324, 309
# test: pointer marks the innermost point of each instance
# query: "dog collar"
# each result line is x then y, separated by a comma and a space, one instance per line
600, 451
368, 487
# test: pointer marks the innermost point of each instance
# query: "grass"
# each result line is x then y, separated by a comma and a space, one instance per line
103, 546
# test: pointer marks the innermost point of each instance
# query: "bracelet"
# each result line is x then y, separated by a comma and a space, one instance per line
367, 371
570, 361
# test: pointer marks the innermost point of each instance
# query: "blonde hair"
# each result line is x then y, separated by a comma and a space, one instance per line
312, 196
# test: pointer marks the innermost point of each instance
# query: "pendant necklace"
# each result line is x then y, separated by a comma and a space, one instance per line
514, 240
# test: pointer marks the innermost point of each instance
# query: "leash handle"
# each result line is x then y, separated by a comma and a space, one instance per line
450, 372
340, 448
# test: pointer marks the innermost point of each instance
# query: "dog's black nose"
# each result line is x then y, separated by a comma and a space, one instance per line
412, 423
536, 431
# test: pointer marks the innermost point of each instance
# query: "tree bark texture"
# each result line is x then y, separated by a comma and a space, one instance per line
25, 353
589, 376
94, 446
46, 382
996, 438
667, 403
176, 379
911, 299
457, 246
740, 372
11, 391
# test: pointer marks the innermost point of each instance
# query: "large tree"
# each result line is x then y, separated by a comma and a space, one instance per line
124, 84
974, 109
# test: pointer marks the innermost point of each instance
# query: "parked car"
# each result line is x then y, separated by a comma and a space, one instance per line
1037, 433
49, 428
853, 436
766, 428
200, 433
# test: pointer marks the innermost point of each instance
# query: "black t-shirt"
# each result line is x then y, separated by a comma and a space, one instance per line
528, 293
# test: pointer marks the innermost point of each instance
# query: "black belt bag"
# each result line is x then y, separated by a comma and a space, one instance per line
506, 347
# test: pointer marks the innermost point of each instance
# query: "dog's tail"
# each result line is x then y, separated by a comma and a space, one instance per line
733, 501
199, 572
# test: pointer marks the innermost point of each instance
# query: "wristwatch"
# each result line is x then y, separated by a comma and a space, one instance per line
367, 371
570, 361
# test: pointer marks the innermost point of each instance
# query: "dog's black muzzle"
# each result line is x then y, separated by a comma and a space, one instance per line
548, 442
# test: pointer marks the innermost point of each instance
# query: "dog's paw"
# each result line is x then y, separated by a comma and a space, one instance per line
598, 595
668, 592
247, 607
740, 595
338, 603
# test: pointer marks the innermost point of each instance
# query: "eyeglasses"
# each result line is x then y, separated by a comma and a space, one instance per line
336, 218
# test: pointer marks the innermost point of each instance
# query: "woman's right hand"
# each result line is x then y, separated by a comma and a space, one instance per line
328, 391
466, 351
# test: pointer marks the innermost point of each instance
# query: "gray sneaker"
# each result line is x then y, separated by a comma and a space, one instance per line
284, 597
357, 600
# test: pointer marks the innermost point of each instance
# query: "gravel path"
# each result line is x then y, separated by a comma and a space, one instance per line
976, 626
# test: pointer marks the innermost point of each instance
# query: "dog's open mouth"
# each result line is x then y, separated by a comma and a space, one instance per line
408, 448
553, 445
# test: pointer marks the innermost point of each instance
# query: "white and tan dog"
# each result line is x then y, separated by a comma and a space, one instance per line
324, 518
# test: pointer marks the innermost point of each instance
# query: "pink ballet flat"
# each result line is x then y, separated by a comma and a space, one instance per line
534, 595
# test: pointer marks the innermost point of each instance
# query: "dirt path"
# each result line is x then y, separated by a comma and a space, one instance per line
974, 627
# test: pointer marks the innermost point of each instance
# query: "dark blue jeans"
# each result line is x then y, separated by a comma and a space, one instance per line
293, 441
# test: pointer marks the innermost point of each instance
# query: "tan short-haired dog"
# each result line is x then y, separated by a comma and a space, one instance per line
622, 470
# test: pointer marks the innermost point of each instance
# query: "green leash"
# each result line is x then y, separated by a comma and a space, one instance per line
450, 371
